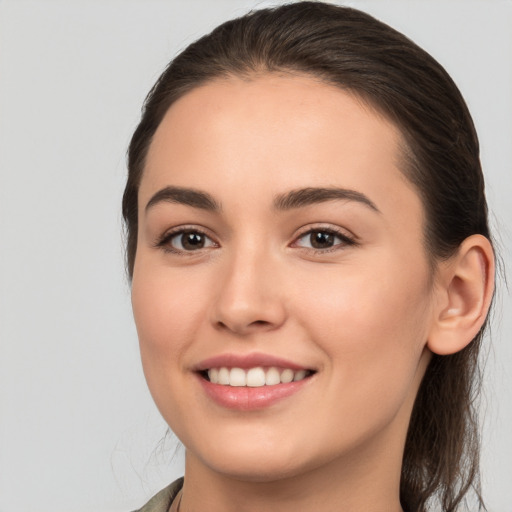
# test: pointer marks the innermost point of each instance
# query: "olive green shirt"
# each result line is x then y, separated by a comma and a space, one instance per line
162, 501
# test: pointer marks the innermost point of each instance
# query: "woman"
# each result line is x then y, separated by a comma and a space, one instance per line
311, 267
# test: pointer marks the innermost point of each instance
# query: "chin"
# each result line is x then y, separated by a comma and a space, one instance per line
257, 470
254, 461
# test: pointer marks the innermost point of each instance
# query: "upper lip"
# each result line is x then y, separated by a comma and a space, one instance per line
246, 361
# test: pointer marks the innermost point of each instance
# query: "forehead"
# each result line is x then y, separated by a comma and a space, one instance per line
272, 133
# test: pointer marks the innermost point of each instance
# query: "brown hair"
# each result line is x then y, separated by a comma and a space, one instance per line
356, 52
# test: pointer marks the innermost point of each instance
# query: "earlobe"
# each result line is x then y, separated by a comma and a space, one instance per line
464, 290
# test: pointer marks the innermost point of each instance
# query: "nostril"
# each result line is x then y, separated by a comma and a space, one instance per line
260, 322
256, 323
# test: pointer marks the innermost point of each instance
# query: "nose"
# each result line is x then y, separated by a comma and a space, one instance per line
250, 298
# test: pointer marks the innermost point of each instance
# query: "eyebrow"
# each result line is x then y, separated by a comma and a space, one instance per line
312, 195
288, 201
185, 196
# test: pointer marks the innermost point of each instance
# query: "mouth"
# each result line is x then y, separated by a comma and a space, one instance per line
255, 377
251, 382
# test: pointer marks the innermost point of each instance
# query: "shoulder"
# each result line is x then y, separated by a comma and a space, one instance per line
161, 501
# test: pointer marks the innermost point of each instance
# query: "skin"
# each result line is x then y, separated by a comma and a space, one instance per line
358, 314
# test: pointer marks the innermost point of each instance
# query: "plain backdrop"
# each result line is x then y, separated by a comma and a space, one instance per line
78, 429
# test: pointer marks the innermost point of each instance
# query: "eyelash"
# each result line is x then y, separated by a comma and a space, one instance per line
164, 242
345, 240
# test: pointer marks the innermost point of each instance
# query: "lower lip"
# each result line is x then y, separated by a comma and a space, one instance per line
248, 398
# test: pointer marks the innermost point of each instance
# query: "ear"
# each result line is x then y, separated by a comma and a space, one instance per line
464, 289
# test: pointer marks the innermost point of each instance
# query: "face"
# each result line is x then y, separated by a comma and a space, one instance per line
281, 289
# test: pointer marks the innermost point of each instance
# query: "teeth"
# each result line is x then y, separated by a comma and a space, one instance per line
254, 377
272, 377
224, 376
237, 377
213, 375
287, 375
299, 375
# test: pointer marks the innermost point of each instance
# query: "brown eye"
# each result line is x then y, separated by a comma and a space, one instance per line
321, 239
190, 241
326, 239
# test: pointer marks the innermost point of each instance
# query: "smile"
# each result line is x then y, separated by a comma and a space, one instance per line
254, 377
251, 382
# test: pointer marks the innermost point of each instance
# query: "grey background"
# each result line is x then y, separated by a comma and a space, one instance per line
78, 430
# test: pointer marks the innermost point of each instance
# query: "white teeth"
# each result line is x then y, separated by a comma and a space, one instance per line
272, 377
237, 377
299, 375
287, 375
224, 376
213, 375
254, 377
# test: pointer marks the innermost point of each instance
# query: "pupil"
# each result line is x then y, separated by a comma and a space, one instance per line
322, 240
192, 241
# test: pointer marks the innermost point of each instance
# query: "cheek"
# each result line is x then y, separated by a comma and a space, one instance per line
372, 326
167, 309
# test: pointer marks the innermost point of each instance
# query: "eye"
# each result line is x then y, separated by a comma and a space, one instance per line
323, 239
186, 240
